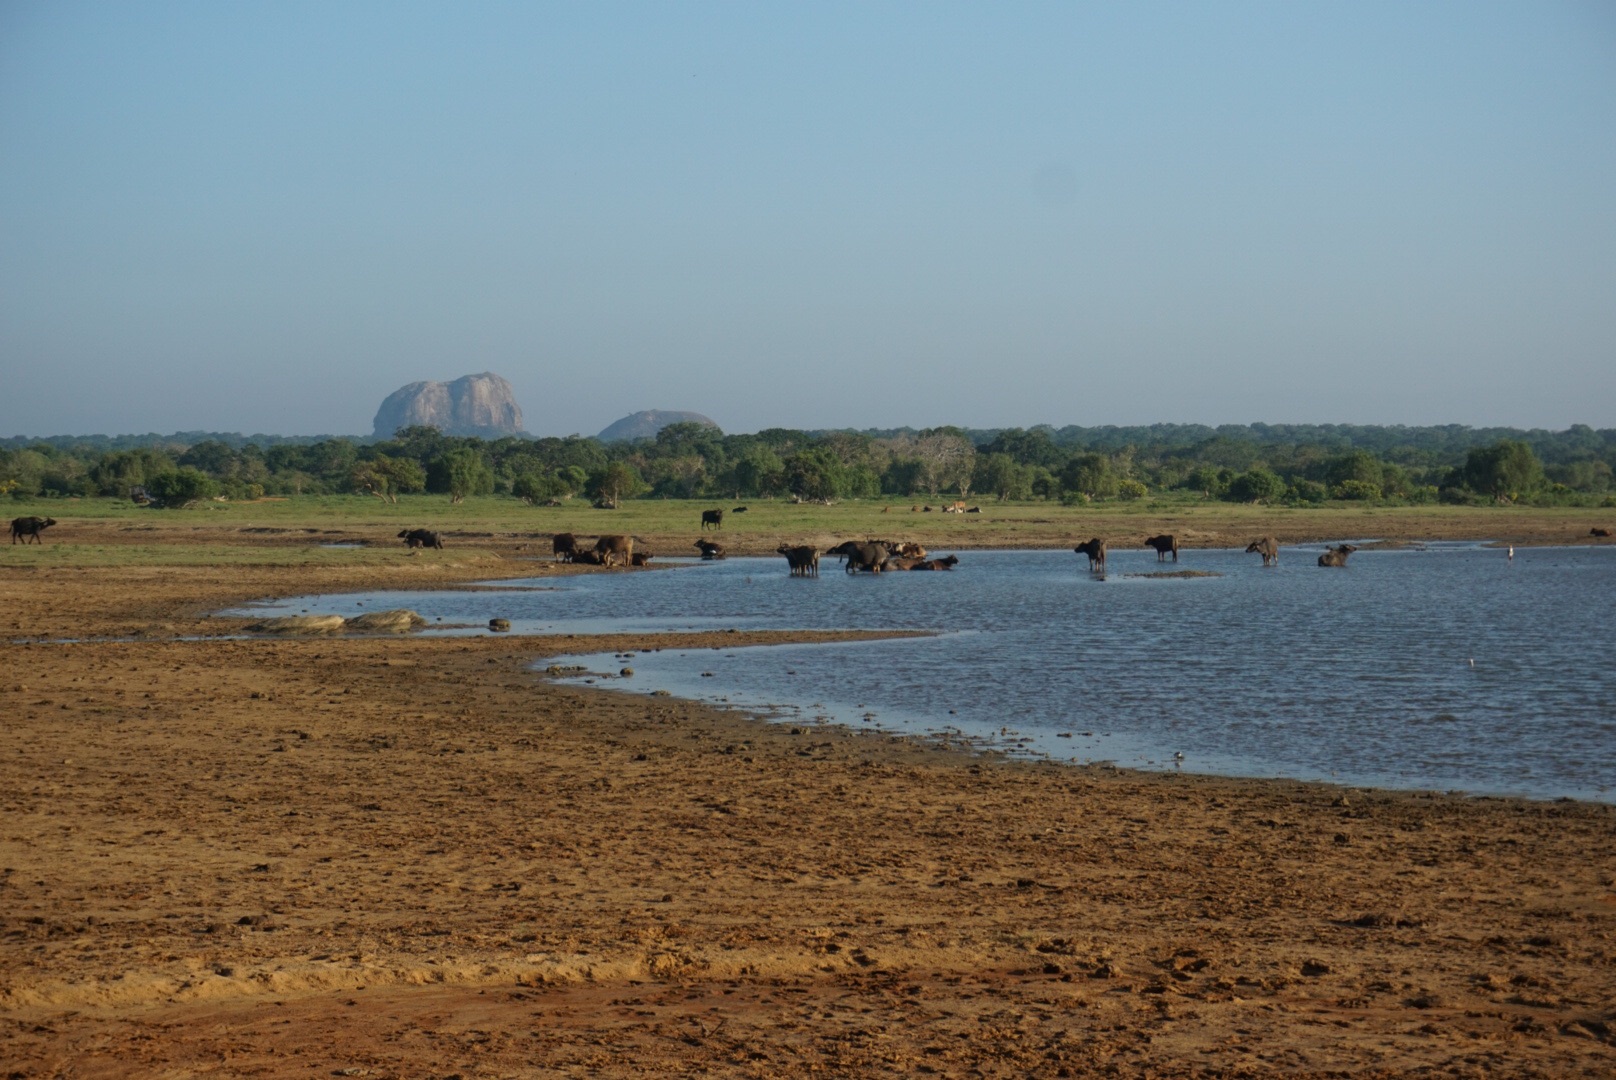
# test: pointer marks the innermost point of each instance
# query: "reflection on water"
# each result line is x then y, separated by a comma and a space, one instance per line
1448, 666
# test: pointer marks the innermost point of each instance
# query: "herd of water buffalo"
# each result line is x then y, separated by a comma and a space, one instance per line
872, 556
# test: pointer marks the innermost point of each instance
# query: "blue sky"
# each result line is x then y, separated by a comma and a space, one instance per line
266, 217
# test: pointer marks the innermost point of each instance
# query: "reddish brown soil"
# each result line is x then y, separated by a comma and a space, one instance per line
407, 857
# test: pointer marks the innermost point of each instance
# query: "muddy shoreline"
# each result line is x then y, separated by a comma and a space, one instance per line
412, 856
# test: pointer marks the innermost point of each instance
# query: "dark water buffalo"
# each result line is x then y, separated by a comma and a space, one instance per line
421, 538
1267, 547
1337, 556
903, 562
715, 518
614, 549
739, 510
709, 550
1597, 531
867, 555
26, 527
1095, 550
947, 562
1164, 544
640, 558
564, 546
803, 560
587, 557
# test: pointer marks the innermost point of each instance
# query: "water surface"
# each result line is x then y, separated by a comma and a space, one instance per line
1448, 666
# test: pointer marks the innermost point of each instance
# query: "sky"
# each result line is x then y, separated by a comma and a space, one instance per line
267, 217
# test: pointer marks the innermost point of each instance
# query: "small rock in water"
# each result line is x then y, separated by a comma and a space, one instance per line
499, 626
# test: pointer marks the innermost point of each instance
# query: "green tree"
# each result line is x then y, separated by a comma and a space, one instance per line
617, 481
1209, 480
1308, 491
212, 457
1002, 476
388, 477
1506, 470
119, 471
1131, 489
536, 488
815, 475
1256, 485
946, 458
458, 473
1356, 490
1358, 465
758, 471
180, 487
1089, 475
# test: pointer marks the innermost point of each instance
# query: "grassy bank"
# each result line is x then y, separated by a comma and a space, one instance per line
93, 531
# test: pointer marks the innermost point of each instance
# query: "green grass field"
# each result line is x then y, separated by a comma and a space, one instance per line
291, 531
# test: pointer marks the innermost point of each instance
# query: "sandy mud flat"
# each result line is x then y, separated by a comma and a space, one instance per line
408, 857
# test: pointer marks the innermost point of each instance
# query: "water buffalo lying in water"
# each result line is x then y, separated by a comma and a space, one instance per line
802, 560
640, 558
947, 562
709, 550
587, 557
1095, 550
1163, 544
26, 527
715, 518
862, 556
1267, 547
615, 549
1337, 556
564, 546
421, 538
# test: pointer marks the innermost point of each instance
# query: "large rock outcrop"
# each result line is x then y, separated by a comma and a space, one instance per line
481, 405
645, 425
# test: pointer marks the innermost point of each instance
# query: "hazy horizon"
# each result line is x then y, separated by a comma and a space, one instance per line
266, 219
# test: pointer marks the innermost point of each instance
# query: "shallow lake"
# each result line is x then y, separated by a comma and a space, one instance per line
1447, 666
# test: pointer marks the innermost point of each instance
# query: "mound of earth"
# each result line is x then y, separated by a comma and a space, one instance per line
645, 425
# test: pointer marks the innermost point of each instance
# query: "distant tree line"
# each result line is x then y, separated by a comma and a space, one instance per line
1258, 463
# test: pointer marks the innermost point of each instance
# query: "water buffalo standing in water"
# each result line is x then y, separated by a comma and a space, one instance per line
614, 549
802, 560
26, 527
709, 550
564, 546
1267, 547
715, 518
1095, 550
421, 538
862, 556
1163, 544
1337, 556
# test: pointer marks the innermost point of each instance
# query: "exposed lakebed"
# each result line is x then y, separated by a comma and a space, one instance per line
1447, 666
